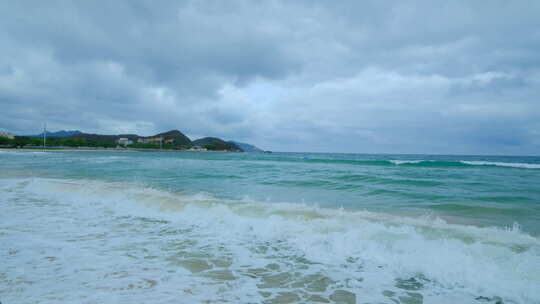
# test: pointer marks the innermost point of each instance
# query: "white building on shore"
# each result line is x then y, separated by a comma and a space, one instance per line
124, 141
197, 149
8, 135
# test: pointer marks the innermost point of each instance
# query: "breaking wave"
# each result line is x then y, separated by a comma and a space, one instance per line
409, 162
219, 250
502, 164
429, 163
463, 163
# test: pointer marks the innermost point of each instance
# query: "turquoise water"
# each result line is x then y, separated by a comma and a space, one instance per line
278, 228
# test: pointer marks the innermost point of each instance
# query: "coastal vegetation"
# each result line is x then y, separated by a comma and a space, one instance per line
216, 144
170, 140
28, 142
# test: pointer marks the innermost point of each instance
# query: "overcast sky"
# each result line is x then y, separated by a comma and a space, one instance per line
328, 76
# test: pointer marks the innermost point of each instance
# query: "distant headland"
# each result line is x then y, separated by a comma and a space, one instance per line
169, 141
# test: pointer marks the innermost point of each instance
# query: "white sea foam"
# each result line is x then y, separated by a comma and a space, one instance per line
115, 242
401, 162
502, 164
474, 163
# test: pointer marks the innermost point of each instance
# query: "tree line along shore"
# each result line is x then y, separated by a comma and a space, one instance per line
168, 141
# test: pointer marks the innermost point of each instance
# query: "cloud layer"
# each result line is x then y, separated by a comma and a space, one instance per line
370, 76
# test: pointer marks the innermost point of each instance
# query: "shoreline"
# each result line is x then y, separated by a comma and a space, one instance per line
64, 150
104, 150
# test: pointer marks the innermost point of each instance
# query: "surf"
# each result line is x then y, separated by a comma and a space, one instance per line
252, 251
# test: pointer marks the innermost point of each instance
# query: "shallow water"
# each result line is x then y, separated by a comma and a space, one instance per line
281, 228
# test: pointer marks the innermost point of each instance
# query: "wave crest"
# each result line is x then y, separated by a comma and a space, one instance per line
288, 246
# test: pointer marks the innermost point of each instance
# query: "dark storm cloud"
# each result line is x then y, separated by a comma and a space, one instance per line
407, 76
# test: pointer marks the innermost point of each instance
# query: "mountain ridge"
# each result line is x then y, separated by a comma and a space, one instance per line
179, 140
214, 143
247, 147
173, 139
61, 133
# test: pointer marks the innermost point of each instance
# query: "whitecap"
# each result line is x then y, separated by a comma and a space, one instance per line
401, 162
502, 164
242, 250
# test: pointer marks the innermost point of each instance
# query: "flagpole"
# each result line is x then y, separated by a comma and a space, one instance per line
44, 135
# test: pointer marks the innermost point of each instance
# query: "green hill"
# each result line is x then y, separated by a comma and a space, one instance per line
216, 144
172, 140
179, 138
247, 147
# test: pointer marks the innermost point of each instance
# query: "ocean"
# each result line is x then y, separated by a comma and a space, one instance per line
143, 227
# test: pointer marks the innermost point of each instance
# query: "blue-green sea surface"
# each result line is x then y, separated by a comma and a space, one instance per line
180, 227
